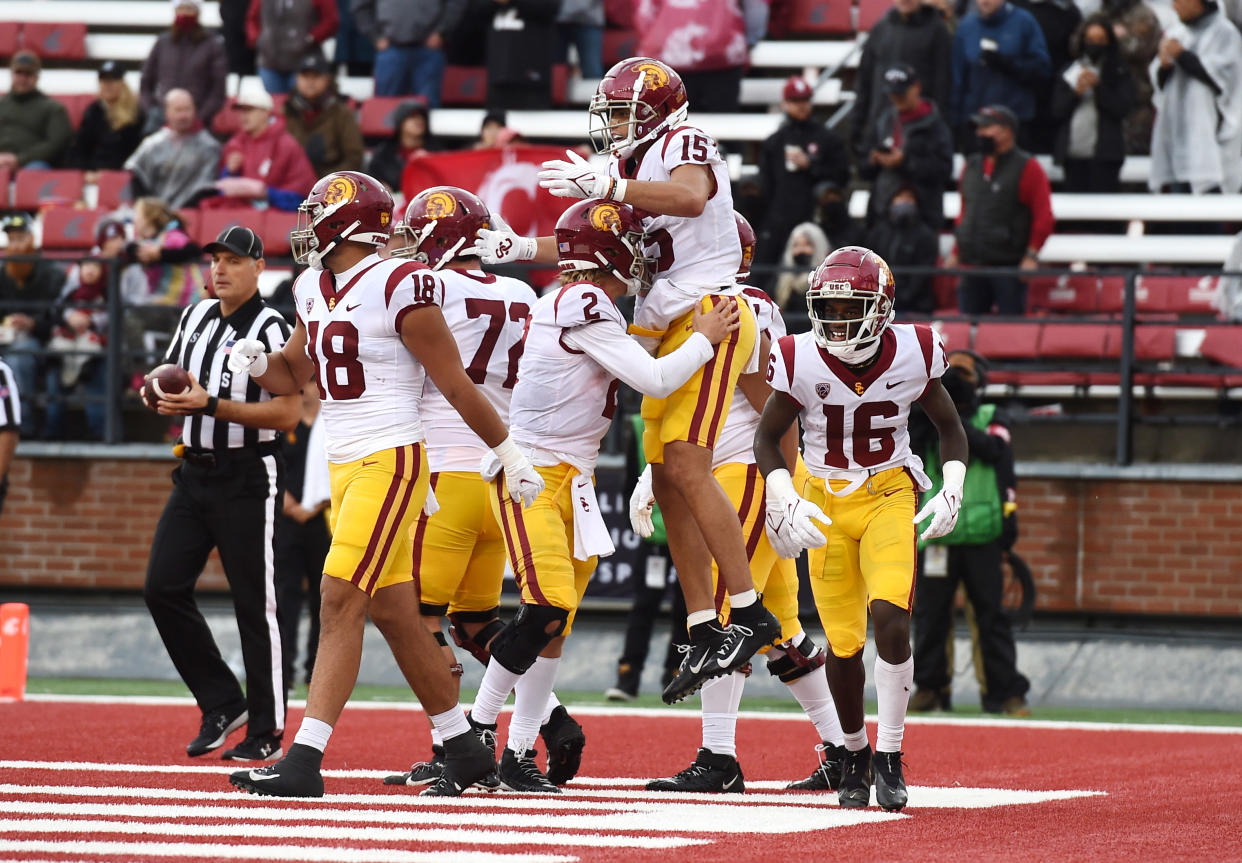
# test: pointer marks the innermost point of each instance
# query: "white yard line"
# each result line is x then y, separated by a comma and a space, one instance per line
317, 853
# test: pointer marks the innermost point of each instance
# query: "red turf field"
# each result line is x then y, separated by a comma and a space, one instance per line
73, 786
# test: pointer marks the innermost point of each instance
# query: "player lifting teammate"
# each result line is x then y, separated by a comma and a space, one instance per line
368, 330
851, 382
459, 552
576, 354
673, 175
797, 660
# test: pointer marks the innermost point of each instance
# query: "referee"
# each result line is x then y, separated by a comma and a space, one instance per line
226, 493
10, 426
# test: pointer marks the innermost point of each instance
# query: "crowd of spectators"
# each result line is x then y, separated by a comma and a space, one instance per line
995, 81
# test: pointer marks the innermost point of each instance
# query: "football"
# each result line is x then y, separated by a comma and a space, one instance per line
165, 380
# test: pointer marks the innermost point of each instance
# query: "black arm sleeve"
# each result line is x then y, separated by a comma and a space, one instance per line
1193, 66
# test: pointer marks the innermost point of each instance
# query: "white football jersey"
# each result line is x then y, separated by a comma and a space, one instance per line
694, 255
564, 400
736, 442
487, 316
371, 386
858, 422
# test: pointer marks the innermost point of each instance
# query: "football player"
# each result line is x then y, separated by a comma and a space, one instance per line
369, 329
577, 353
672, 173
796, 660
459, 553
851, 382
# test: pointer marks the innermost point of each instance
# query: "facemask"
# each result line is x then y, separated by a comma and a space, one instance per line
962, 391
903, 212
987, 146
185, 23
802, 259
1094, 52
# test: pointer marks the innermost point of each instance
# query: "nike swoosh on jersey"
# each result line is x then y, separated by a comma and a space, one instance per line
890, 384
724, 663
351, 308
256, 776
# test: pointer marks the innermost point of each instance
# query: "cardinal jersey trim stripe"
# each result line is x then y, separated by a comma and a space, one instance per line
201, 346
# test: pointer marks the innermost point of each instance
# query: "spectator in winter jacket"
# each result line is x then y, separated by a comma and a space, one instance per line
322, 120
999, 58
1196, 145
1094, 94
903, 239
283, 31
909, 145
1058, 20
186, 57
409, 43
1006, 215
111, 127
799, 155
176, 164
34, 128
913, 33
833, 216
411, 137
1138, 37
519, 52
804, 249
262, 162
28, 292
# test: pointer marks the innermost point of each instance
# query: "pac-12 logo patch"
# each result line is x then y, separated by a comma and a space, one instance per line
310, 304
822, 388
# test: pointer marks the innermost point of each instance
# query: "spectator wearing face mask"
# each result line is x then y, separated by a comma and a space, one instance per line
806, 247
903, 239
1059, 21
189, 58
1006, 216
833, 215
1138, 39
1094, 94
909, 145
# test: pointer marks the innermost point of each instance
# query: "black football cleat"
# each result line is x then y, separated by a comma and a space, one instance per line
217, 726
296, 775
710, 774
854, 792
698, 664
467, 760
565, 740
744, 639
827, 776
521, 774
890, 784
264, 747
422, 773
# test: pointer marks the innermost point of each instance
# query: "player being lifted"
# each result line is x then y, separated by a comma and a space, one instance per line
459, 552
577, 353
851, 382
368, 330
796, 660
673, 175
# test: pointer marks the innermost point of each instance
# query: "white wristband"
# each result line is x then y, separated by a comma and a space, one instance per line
779, 485
508, 453
527, 248
954, 473
618, 190
259, 367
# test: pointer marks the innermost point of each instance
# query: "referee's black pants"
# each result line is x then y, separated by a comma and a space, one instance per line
231, 506
978, 569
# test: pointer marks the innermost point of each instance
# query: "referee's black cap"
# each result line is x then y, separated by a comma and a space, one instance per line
239, 241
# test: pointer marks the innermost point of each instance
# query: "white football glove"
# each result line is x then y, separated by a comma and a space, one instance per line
431, 506
577, 179
943, 508
502, 246
522, 480
642, 502
791, 518
248, 355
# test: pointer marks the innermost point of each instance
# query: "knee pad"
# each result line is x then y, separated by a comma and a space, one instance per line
530, 631
798, 661
426, 609
476, 644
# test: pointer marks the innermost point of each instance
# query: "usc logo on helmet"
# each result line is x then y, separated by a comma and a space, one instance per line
440, 204
340, 190
748, 256
605, 217
653, 75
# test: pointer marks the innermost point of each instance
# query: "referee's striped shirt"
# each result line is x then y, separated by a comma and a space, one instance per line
10, 405
201, 346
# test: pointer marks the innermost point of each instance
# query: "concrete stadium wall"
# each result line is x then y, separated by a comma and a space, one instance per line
1141, 540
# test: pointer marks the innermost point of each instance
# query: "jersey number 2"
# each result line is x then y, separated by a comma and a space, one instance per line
864, 434
339, 352
496, 318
